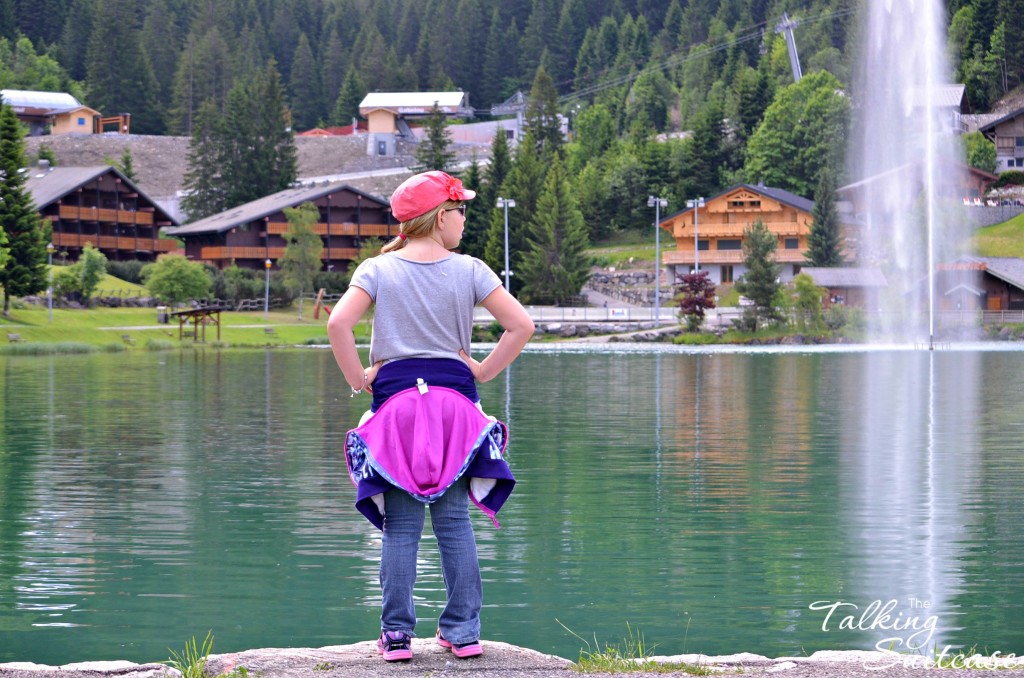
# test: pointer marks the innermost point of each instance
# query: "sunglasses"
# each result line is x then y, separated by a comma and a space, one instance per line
461, 209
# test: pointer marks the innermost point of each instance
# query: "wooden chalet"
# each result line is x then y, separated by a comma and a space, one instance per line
250, 234
848, 286
102, 206
52, 112
1007, 133
720, 225
980, 283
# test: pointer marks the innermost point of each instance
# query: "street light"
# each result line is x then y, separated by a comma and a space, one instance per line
694, 204
657, 204
266, 291
505, 203
49, 292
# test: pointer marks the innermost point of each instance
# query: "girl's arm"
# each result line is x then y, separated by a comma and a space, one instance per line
518, 325
352, 306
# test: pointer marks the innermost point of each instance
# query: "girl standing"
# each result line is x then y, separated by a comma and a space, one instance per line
425, 441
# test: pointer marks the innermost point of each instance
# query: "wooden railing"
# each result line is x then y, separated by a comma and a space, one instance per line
729, 257
113, 216
713, 230
110, 242
273, 253
346, 228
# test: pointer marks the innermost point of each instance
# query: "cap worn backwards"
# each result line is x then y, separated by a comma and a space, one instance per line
423, 192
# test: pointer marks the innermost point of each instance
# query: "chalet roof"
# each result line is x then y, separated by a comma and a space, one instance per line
846, 277
782, 195
1008, 269
990, 127
946, 96
264, 207
881, 176
413, 103
37, 102
48, 185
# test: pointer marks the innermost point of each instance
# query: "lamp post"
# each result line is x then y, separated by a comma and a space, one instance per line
266, 291
657, 204
49, 292
505, 203
694, 204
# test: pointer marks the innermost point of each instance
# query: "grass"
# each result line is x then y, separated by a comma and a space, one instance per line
1001, 240
74, 330
632, 655
626, 249
192, 660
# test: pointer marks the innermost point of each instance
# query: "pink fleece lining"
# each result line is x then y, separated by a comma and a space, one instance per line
421, 441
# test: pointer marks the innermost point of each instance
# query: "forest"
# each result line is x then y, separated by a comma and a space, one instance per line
676, 98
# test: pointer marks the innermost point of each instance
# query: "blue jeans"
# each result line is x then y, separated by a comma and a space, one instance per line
403, 526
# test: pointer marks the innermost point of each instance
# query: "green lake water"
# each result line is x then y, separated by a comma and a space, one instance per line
716, 501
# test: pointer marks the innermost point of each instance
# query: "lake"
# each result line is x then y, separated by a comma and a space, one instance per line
717, 501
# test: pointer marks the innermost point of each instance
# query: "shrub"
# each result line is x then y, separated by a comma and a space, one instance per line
1009, 178
129, 271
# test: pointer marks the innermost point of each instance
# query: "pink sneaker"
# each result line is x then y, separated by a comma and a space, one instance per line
396, 646
462, 650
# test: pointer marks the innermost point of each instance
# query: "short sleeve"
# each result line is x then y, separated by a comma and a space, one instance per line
366, 276
485, 280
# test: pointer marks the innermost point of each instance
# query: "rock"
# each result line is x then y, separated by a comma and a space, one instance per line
567, 331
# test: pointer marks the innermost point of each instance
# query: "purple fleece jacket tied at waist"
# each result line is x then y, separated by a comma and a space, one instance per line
422, 441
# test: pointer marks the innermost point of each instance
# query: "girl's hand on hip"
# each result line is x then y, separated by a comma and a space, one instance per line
474, 365
371, 374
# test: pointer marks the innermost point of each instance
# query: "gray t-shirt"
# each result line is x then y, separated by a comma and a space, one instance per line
423, 309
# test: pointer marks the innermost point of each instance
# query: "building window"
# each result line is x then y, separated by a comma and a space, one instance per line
726, 274
1020, 142
382, 148
703, 245
792, 243
81, 122
730, 244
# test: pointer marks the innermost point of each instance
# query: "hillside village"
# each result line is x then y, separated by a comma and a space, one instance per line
714, 164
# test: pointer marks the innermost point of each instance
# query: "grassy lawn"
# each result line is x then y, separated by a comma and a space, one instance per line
1002, 240
105, 326
627, 249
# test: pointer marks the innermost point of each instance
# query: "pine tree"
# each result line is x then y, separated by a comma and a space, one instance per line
353, 91
524, 184
203, 183
824, 241
23, 233
120, 77
433, 152
256, 146
541, 117
760, 282
204, 74
305, 87
474, 237
556, 266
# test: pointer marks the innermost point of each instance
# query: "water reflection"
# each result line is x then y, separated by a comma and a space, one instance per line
706, 498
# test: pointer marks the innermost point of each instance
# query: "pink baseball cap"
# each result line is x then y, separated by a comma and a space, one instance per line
421, 193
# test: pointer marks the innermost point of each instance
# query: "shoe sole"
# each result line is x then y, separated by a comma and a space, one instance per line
396, 655
473, 650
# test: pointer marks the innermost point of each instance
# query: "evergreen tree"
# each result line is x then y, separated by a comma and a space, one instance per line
74, 40
258, 148
127, 164
334, 67
305, 87
523, 184
161, 36
556, 265
120, 77
824, 246
760, 282
301, 260
204, 74
23, 233
205, 190
541, 118
474, 236
433, 152
353, 91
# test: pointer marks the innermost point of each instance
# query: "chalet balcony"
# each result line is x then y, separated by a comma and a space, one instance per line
273, 253
728, 257
342, 229
93, 214
712, 230
110, 242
